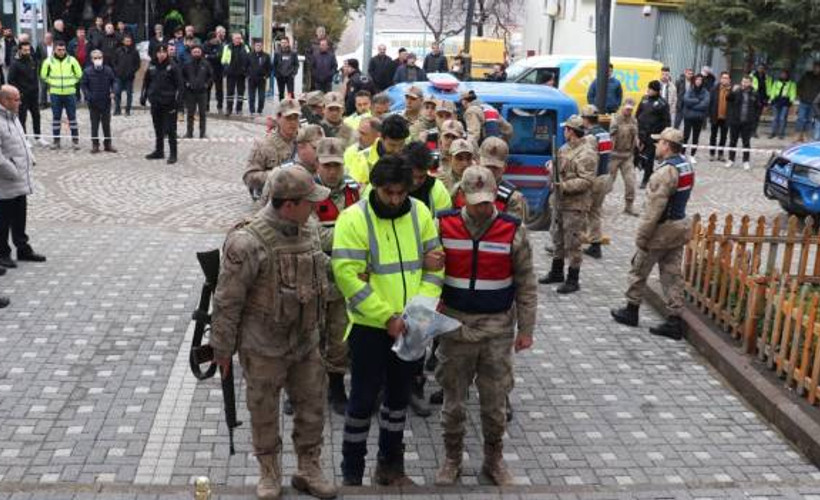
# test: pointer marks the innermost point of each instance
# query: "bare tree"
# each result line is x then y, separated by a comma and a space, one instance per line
443, 18
500, 15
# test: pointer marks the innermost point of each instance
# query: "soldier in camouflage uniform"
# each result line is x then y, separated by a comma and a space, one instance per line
462, 155
314, 108
662, 234
307, 140
267, 306
413, 103
473, 115
426, 121
273, 150
624, 133
344, 192
490, 293
449, 132
601, 143
333, 123
570, 201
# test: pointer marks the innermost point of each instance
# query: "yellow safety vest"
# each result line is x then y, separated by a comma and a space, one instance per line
61, 75
391, 252
358, 163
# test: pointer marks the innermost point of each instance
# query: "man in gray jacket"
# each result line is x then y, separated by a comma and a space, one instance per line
16, 161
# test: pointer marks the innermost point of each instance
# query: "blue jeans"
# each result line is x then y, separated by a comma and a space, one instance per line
804, 117
780, 118
126, 84
69, 104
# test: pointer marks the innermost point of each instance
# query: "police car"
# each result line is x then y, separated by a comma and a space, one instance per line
793, 179
535, 113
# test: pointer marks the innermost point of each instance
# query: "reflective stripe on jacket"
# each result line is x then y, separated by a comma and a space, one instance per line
61, 75
478, 273
391, 252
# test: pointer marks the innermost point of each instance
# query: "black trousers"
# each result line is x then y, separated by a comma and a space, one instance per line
692, 128
326, 86
164, 117
744, 132
256, 94
13, 219
283, 83
100, 116
236, 92
196, 102
647, 158
30, 104
718, 127
219, 87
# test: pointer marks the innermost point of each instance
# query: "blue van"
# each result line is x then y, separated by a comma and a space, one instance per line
793, 179
535, 113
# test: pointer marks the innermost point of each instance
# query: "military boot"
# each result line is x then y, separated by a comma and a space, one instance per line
556, 274
309, 478
417, 402
450, 470
671, 328
494, 466
390, 471
594, 250
336, 393
571, 284
270, 477
626, 315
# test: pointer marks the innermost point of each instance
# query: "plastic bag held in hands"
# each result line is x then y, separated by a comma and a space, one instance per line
424, 324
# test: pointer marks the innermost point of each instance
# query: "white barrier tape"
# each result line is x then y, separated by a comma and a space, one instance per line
721, 149
66, 138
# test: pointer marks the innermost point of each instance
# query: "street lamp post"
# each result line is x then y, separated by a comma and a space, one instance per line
603, 10
367, 49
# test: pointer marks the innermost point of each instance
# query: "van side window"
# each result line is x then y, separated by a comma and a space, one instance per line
532, 131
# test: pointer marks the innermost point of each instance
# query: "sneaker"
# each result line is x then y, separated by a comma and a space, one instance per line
43, 142
728, 164
693, 160
746, 165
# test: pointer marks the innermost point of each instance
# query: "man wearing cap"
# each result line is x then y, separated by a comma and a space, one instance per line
387, 236
313, 109
332, 123
489, 286
307, 144
450, 131
267, 306
344, 192
427, 120
600, 142
274, 149
391, 140
473, 115
571, 198
662, 234
493, 155
413, 103
357, 155
653, 116
462, 155
624, 132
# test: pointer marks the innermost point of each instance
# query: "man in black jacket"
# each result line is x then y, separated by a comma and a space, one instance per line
108, 45
258, 75
323, 67
381, 69
23, 74
743, 104
126, 65
163, 86
285, 67
98, 87
236, 63
213, 54
435, 62
653, 116
197, 76
356, 82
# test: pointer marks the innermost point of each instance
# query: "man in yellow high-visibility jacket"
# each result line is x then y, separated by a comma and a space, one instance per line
381, 247
62, 73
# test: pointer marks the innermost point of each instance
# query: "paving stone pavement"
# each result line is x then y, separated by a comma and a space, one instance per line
96, 400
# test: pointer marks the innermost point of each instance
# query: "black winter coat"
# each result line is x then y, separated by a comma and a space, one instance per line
735, 107
24, 75
162, 84
108, 45
260, 66
286, 64
323, 66
435, 63
197, 75
653, 116
381, 70
240, 60
356, 82
126, 62
98, 85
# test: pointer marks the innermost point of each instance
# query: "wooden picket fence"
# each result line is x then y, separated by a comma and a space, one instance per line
755, 281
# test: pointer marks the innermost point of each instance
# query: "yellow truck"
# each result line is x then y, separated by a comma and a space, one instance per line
574, 74
485, 53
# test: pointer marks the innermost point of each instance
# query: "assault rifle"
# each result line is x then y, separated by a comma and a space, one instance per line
200, 354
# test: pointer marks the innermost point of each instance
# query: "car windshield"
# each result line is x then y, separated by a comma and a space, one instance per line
517, 69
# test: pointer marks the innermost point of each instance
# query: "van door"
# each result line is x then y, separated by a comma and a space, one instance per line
531, 147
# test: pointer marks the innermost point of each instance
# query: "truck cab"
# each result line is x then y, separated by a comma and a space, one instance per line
535, 113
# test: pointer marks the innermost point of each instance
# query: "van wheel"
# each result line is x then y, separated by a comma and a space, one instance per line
542, 221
